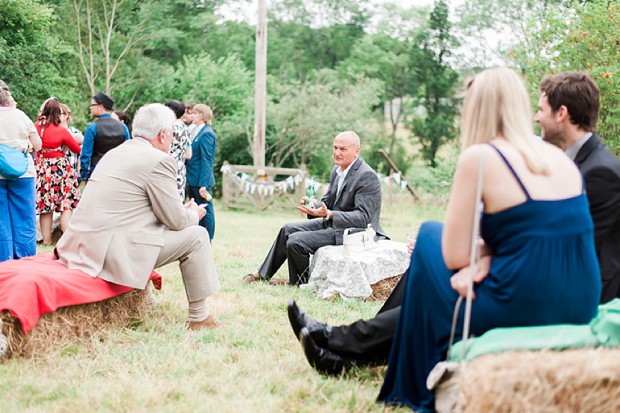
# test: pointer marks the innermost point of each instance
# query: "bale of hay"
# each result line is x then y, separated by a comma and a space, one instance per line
381, 290
67, 324
578, 380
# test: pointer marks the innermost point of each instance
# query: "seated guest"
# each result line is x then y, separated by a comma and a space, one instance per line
567, 115
353, 201
18, 224
102, 135
532, 264
130, 220
575, 96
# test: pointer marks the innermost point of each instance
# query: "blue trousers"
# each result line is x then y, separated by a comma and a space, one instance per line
18, 224
208, 221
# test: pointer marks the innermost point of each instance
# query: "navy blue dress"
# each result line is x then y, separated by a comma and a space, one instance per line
544, 270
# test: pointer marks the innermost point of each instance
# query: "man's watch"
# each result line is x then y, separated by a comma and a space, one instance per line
330, 215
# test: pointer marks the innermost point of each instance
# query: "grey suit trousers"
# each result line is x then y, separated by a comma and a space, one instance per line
295, 242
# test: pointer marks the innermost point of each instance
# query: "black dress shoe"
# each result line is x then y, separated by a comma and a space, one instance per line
299, 320
323, 360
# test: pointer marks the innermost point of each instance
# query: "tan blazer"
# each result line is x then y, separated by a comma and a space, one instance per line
117, 231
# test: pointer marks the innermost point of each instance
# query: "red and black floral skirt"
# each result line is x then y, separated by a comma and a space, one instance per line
57, 185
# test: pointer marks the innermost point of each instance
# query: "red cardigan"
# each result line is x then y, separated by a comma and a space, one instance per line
54, 136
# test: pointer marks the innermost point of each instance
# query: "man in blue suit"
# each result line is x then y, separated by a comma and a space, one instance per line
200, 178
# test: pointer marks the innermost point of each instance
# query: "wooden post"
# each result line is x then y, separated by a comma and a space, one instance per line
260, 77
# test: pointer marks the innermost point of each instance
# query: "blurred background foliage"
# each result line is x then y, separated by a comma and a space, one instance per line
390, 72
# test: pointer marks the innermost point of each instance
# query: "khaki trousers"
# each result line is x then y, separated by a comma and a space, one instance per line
192, 248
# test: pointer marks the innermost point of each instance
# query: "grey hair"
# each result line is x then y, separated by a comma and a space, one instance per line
150, 119
5, 94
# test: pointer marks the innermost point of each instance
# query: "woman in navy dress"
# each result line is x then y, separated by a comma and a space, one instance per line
538, 262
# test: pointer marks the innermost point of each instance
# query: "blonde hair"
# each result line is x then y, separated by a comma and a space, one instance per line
497, 104
205, 112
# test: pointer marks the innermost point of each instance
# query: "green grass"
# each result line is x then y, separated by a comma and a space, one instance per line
252, 363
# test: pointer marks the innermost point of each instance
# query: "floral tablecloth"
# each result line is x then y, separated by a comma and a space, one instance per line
350, 274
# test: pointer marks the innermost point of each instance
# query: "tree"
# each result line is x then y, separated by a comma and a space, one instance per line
32, 58
438, 81
304, 118
102, 42
585, 37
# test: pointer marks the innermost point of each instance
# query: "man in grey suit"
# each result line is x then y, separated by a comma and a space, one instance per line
353, 201
130, 219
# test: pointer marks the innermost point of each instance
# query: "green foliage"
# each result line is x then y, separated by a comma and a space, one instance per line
437, 125
584, 37
435, 182
305, 118
32, 59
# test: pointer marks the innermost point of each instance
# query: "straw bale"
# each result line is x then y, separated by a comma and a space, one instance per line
578, 380
68, 324
381, 290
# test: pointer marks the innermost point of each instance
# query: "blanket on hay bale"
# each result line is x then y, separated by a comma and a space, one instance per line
520, 369
63, 304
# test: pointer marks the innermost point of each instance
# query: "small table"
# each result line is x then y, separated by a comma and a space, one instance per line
334, 271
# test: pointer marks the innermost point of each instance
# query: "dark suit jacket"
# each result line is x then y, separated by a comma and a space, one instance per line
601, 172
359, 201
199, 168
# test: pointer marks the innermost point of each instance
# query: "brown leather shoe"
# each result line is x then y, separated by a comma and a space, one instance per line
250, 278
208, 323
278, 281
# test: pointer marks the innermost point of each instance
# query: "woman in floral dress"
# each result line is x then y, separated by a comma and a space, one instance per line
57, 188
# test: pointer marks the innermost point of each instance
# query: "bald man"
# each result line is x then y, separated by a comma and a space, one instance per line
353, 201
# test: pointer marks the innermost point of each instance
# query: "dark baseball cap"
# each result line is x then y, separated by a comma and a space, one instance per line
104, 100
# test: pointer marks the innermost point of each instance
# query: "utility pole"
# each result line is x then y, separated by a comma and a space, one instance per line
260, 76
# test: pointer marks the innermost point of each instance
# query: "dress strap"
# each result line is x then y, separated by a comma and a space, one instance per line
527, 194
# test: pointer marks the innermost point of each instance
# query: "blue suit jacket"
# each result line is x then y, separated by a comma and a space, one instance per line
200, 165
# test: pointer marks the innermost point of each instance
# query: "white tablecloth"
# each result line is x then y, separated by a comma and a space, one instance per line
332, 271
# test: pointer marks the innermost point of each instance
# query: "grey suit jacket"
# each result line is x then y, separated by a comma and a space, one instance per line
601, 173
359, 201
117, 231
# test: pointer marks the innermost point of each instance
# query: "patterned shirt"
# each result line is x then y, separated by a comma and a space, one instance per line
180, 143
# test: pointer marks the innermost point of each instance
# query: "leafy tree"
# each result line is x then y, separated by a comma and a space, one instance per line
30, 56
582, 38
304, 118
438, 81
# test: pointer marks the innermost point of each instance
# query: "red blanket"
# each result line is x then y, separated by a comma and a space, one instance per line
37, 285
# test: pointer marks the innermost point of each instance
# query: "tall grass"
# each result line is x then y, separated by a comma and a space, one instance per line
252, 363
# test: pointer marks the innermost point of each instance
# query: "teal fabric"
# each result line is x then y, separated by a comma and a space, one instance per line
602, 331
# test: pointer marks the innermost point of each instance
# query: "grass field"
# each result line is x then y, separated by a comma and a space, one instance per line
253, 363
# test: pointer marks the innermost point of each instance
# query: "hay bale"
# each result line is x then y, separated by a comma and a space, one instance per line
67, 324
578, 380
381, 290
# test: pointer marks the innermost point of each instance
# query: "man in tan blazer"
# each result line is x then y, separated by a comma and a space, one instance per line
130, 220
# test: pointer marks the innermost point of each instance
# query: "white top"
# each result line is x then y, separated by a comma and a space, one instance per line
15, 130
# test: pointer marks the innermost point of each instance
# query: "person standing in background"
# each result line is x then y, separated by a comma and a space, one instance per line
18, 226
180, 149
200, 176
102, 135
57, 188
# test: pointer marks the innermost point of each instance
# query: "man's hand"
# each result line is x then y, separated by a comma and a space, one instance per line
194, 207
310, 209
459, 280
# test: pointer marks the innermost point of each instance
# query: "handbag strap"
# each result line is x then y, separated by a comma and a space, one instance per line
474, 265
